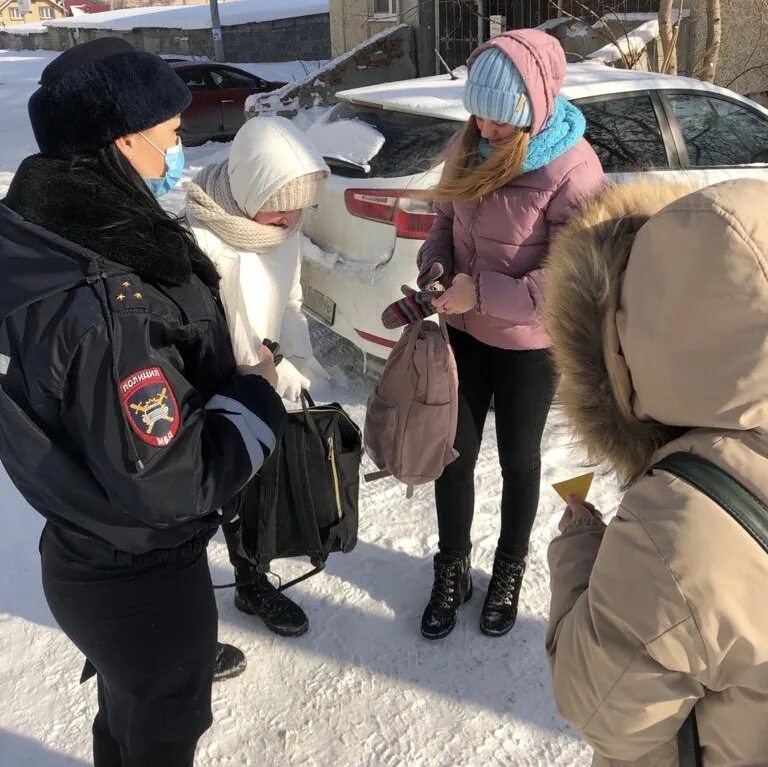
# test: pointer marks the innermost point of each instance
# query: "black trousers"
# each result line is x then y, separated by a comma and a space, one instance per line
241, 564
522, 385
148, 626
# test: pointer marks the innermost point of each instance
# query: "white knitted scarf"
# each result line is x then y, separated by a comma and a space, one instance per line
210, 202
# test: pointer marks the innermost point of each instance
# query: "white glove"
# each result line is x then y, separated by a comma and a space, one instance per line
290, 381
312, 369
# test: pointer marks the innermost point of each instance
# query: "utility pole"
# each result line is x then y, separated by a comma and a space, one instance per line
218, 40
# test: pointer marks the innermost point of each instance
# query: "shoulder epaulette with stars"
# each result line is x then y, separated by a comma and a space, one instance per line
125, 293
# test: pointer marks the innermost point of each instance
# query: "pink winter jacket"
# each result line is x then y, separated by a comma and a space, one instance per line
502, 240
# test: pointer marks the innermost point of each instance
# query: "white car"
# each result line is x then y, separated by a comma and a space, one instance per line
673, 128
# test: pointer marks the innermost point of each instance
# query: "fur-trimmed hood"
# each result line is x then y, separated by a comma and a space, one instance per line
657, 307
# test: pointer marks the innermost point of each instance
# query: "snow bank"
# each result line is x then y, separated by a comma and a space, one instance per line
194, 16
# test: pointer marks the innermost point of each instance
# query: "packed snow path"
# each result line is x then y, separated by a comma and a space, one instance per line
362, 688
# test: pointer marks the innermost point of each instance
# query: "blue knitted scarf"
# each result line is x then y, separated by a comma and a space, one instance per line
563, 131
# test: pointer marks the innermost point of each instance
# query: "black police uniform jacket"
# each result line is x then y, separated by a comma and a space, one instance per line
121, 414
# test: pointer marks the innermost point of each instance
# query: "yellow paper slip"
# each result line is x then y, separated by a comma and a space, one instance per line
578, 486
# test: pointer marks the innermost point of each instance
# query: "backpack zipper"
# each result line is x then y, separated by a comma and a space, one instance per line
335, 475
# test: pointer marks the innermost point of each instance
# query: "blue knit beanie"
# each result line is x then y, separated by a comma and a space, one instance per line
495, 91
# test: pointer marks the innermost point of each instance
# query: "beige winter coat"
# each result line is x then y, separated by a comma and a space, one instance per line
660, 332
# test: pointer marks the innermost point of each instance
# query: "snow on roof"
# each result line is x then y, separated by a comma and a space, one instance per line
194, 16
441, 97
283, 71
632, 42
24, 29
273, 101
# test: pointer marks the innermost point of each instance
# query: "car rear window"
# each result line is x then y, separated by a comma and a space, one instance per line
413, 143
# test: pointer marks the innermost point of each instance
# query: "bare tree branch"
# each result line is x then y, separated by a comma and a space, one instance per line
763, 66
603, 29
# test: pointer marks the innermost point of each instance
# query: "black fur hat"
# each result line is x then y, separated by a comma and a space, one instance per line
101, 90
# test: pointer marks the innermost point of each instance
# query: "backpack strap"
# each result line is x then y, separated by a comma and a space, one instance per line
688, 746
372, 476
728, 493
748, 510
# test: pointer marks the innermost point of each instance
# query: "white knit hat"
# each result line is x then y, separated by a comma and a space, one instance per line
297, 194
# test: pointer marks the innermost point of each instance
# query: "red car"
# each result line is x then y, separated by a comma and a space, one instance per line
219, 92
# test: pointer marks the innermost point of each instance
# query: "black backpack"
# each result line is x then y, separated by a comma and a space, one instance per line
304, 501
748, 510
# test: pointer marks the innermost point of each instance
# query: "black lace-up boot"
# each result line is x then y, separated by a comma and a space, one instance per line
230, 662
451, 589
281, 614
500, 606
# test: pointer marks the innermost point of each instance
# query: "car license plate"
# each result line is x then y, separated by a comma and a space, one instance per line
319, 304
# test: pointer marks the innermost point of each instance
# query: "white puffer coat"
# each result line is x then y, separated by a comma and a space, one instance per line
261, 291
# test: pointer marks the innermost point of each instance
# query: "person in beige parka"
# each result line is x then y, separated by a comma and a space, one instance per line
658, 312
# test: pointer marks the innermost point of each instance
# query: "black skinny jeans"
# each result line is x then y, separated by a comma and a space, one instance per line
522, 384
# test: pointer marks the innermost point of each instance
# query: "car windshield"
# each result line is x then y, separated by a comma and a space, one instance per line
412, 143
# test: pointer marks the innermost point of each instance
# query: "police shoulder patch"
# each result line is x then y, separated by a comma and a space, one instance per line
150, 406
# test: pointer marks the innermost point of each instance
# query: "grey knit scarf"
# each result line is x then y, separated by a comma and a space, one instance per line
210, 202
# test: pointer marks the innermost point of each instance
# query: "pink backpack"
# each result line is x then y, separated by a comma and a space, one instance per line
410, 423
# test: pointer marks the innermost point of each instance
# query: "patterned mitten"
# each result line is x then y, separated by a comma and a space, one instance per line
429, 276
415, 306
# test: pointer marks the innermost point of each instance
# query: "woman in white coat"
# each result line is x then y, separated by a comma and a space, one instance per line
246, 214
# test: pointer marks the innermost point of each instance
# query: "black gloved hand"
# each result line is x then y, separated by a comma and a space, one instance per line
274, 347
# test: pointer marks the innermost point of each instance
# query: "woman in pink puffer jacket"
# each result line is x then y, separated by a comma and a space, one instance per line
513, 176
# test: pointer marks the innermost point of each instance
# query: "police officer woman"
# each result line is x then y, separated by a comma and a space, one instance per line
123, 419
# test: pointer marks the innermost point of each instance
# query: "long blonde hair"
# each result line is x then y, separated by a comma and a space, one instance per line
466, 179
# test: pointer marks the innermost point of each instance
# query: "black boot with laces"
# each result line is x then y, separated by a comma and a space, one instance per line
451, 589
230, 662
259, 597
500, 606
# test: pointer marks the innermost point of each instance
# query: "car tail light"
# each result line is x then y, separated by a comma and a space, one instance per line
412, 218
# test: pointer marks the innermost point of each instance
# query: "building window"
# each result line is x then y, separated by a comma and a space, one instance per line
386, 8
46, 12
15, 14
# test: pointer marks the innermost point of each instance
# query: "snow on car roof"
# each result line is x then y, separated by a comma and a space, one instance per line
194, 16
440, 96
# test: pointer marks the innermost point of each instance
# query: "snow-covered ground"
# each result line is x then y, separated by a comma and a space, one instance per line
362, 688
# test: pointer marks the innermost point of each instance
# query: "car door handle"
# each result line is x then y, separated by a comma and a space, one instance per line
227, 101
